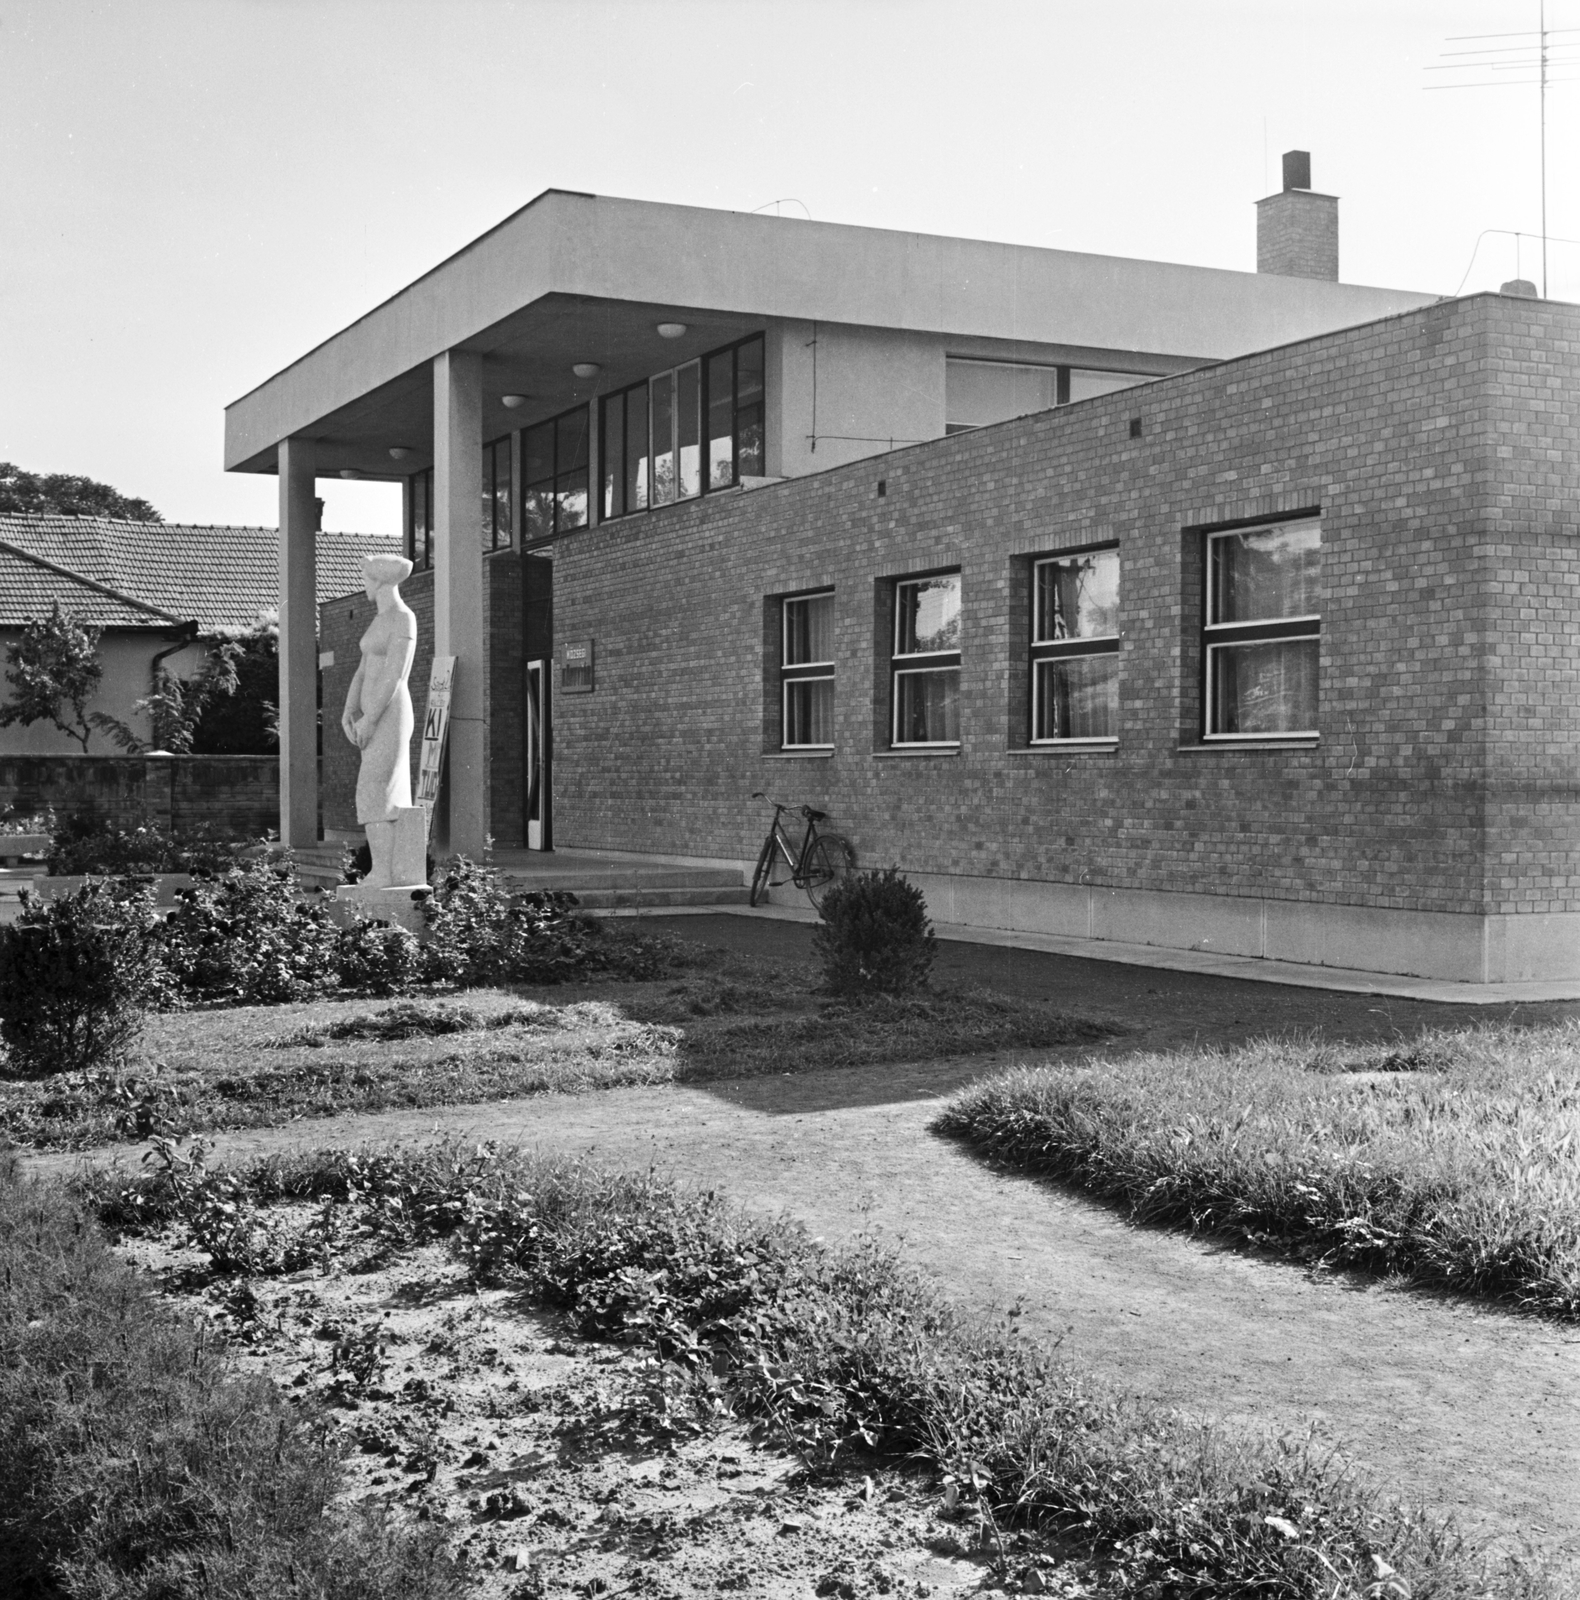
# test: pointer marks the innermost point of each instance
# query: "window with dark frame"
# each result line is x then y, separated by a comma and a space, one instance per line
681, 433
1075, 647
554, 476
925, 664
497, 498
1262, 636
807, 672
419, 520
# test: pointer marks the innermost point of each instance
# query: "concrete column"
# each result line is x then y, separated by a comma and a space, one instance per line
298, 644
459, 626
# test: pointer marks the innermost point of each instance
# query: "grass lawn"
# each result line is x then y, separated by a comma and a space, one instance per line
714, 1015
1452, 1160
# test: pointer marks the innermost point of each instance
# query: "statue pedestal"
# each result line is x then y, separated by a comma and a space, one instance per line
401, 904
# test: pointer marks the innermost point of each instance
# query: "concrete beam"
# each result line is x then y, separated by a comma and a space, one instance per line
298, 644
461, 827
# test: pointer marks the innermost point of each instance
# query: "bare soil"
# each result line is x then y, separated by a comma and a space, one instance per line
470, 1408
1469, 1409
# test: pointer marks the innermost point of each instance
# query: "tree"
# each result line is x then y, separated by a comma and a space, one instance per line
247, 722
66, 495
175, 706
54, 667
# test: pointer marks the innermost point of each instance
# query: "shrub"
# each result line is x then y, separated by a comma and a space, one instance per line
136, 1466
75, 973
875, 936
478, 934
377, 958
89, 845
247, 940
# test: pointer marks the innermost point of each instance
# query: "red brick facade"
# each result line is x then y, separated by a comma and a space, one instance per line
1442, 450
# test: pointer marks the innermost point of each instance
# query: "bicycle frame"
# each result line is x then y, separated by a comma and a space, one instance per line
821, 858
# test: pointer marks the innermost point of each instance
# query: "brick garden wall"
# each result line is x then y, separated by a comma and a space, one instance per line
238, 796
1441, 451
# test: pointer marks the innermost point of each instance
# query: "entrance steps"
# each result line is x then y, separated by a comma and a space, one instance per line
599, 881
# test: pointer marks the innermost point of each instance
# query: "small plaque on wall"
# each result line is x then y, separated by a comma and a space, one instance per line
576, 667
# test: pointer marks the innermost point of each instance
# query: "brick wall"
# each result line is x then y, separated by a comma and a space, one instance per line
1441, 452
1297, 235
238, 796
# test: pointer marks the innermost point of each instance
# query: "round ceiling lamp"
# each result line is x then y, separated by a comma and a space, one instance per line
672, 330
350, 472
399, 452
586, 369
513, 402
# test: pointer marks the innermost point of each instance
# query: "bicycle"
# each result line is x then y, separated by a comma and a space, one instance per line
820, 863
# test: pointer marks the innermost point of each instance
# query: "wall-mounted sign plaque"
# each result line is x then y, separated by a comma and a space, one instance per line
576, 666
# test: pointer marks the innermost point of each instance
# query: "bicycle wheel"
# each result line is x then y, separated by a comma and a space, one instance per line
830, 859
764, 873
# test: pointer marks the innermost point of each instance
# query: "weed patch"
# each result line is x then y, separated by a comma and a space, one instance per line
846, 1356
1453, 1160
137, 1465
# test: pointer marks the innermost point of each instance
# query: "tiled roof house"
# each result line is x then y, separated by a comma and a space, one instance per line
140, 582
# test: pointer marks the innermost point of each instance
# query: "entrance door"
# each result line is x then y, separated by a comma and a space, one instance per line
537, 802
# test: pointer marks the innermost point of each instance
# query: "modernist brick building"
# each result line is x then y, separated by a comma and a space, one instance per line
1258, 649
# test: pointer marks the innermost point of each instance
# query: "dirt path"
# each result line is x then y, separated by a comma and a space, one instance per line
1471, 1410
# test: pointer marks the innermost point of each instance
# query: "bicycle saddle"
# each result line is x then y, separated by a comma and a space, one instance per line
814, 816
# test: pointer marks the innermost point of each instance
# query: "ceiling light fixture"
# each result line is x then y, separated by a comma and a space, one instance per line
399, 452
586, 369
672, 330
350, 472
513, 402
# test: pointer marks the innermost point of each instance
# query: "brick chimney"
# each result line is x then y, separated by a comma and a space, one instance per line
1297, 231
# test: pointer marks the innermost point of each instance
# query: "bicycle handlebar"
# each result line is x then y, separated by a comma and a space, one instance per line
780, 805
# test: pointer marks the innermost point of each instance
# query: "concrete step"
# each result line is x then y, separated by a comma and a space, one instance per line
657, 899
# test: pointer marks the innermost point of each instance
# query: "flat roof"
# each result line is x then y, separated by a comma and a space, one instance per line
602, 250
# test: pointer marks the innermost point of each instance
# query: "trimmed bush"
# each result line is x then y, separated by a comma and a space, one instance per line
245, 939
75, 973
136, 1466
875, 936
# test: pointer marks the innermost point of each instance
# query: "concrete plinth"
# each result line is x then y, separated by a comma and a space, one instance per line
400, 905
409, 861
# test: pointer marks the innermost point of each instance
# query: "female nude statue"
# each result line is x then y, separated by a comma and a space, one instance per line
378, 715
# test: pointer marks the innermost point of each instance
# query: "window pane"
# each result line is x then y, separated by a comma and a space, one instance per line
662, 390
1086, 385
809, 630
503, 499
979, 392
688, 428
749, 453
928, 615
1077, 697
1078, 597
721, 420
487, 517
927, 706
537, 512
809, 711
570, 500
537, 454
611, 434
638, 457
570, 440
1267, 572
1266, 687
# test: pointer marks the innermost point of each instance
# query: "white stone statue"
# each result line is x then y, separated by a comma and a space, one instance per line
378, 721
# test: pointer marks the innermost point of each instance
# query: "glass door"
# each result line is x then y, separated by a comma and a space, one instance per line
537, 773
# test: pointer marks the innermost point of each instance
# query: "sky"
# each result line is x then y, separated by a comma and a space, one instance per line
195, 192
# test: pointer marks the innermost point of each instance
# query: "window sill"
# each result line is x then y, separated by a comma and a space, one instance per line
922, 752
798, 755
1249, 744
1065, 747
